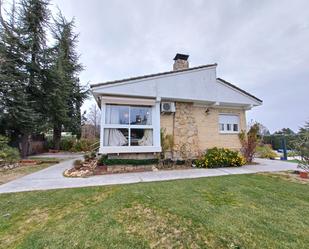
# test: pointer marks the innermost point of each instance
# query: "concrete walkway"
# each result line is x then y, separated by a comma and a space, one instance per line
52, 178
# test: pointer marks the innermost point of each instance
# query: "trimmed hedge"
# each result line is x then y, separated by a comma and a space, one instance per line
105, 161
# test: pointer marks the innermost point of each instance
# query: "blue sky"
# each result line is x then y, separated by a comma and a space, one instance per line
261, 46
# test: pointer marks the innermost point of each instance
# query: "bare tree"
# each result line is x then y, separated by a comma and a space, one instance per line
93, 117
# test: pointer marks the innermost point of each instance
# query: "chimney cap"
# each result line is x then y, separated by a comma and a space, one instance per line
181, 57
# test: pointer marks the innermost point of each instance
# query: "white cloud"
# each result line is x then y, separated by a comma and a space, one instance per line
261, 46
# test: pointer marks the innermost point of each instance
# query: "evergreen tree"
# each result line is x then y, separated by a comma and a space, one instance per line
65, 95
18, 113
39, 86
22, 48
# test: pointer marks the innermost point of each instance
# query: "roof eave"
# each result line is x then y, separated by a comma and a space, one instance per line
241, 90
152, 75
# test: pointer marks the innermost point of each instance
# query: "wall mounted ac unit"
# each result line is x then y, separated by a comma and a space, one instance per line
168, 107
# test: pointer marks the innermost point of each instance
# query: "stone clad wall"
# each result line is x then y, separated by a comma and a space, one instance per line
185, 132
194, 130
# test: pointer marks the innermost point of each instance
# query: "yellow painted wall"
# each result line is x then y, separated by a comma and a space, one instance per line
208, 127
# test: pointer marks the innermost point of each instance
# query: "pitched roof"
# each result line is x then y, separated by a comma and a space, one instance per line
239, 89
172, 72
152, 75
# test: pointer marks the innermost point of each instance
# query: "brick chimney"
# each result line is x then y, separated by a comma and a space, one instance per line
181, 62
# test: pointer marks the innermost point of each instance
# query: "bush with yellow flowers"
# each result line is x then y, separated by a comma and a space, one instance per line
220, 157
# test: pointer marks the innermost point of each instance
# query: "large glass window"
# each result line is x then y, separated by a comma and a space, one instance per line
117, 114
140, 115
228, 123
141, 137
128, 126
116, 137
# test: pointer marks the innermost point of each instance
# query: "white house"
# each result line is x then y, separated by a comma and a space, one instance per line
192, 105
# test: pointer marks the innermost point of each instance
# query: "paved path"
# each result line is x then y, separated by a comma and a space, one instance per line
60, 155
52, 178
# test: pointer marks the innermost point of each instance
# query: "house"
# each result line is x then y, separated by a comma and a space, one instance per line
197, 109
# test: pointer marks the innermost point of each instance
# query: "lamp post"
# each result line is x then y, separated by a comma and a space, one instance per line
283, 142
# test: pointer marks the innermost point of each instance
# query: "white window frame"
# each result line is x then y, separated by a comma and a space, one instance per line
225, 124
155, 126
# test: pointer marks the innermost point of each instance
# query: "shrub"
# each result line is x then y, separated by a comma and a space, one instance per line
292, 153
219, 157
72, 144
265, 151
48, 144
302, 147
102, 160
3, 142
249, 141
7, 153
93, 154
66, 144
78, 164
117, 161
83, 145
87, 157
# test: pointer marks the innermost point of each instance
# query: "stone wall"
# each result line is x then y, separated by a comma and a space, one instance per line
133, 156
129, 168
185, 132
194, 130
180, 65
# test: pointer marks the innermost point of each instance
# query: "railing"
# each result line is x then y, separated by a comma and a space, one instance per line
95, 146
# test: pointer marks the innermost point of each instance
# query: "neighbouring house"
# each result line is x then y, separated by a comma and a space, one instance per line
197, 109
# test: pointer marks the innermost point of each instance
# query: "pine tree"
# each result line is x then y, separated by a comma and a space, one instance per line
22, 51
39, 86
18, 114
65, 95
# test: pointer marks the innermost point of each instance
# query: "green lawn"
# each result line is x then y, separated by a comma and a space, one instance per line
246, 211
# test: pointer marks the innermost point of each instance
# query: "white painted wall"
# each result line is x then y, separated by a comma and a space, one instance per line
182, 85
198, 85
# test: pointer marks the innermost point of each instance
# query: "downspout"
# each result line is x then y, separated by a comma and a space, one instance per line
173, 134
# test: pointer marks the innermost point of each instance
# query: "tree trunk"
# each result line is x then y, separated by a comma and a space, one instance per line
57, 136
24, 145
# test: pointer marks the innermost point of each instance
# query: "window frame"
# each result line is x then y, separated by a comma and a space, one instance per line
225, 124
129, 126
155, 126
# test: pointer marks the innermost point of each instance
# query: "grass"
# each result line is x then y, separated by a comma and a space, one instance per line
243, 211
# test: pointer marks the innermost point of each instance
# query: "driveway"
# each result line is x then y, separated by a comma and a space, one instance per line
52, 178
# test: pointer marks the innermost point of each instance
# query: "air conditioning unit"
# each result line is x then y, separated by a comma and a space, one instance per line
168, 107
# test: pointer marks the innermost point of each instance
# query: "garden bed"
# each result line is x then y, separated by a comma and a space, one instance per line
104, 165
291, 176
92, 166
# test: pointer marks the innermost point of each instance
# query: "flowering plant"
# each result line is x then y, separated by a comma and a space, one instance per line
220, 157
